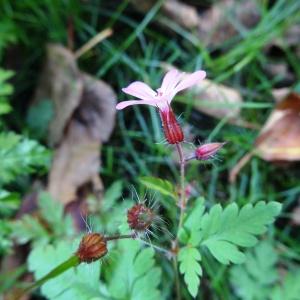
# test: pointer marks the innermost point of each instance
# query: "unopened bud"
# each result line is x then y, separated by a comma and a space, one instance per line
207, 151
140, 217
92, 247
172, 130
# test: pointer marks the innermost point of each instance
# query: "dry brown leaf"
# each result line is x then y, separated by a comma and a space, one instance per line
217, 100
295, 217
279, 139
290, 38
280, 93
215, 26
60, 81
84, 118
181, 13
77, 160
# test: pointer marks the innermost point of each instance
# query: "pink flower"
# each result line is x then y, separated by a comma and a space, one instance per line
172, 83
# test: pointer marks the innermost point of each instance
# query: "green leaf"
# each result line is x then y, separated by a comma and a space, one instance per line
289, 289
163, 186
81, 282
112, 194
254, 279
39, 117
5, 241
189, 258
52, 211
192, 223
6, 89
4, 107
222, 231
9, 202
142, 277
20, 156
29, 228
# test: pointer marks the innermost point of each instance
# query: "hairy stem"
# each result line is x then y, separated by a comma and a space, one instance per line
181, 204
177, 281
158, 248
182, 199
119, 237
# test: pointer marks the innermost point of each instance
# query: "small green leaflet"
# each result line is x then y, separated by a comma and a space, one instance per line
6, 89
29, 228
79, 283
254, 279
289, 289
132, 273
189, 258
20, 156
9, 202
163, 186
223, 230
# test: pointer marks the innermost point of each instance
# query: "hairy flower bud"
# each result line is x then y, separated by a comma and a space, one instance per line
207, 151
92, 247
140, 217
172, 130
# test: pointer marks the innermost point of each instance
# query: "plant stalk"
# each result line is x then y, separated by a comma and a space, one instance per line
182, 199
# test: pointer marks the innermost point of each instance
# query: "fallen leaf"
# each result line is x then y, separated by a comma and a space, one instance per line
279, 139
77, 161
217, 100
295, 217
60, 81
84, 117
279, 68
280, 93
216, 26
181, 13
290, 38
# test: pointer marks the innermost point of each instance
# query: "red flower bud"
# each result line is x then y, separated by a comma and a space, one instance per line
207, 151
92, 247
171, 127
140, 217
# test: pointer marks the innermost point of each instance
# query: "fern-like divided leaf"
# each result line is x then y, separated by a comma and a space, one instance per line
163, 186
19, 156
189, 258
254, 279
222, 231
132, 273
79, 283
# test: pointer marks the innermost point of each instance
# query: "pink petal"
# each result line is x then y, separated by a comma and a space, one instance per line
190, 80
170, 80
140, 90
124, 104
